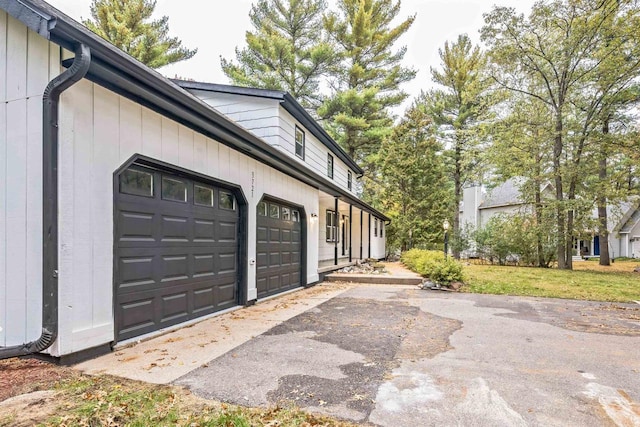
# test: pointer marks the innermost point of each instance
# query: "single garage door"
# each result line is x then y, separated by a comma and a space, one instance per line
176, 250
279, 248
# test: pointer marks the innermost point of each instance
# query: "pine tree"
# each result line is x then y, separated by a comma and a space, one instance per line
127, 25
458, 107
367, 81
285, 51
415, 193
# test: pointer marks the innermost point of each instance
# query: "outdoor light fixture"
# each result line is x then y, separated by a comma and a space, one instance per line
314, 217
445, 225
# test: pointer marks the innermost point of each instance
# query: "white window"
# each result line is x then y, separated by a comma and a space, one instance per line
330, 166
332, 227
349, 180
299, 143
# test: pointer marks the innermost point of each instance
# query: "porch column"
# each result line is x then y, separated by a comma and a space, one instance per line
350, 225
369, 239
335, 241
361, 235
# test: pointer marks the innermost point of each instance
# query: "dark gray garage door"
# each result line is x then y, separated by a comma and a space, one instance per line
176, 250
278, 249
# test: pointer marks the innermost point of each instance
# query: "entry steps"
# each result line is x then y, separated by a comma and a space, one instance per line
376, 279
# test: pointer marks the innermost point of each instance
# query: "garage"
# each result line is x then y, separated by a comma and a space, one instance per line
176, 252
279, 248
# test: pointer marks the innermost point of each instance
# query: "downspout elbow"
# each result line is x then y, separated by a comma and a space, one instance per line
50, 113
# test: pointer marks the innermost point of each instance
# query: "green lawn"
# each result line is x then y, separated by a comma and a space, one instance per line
587, 282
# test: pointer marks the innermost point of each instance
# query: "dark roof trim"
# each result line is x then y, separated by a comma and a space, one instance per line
289, 103
122, 74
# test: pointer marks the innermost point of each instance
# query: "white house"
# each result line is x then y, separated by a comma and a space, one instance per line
479, 205
128, 205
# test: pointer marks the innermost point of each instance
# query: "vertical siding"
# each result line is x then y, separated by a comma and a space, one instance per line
25, 69
99, 131
3, 176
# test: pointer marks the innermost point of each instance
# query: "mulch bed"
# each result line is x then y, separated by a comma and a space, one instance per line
24, 375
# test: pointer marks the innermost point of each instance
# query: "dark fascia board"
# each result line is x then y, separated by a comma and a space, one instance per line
121, 73
289, 103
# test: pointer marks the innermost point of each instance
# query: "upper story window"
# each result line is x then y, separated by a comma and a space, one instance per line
349, 180
330, 166
299, 143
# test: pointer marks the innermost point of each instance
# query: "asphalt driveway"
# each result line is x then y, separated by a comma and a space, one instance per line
399, 356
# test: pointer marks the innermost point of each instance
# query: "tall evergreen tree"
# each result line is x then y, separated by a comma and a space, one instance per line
415, 192
367, 81
127, 25
458, 108
285, 51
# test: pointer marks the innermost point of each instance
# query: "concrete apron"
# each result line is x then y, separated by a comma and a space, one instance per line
165, 358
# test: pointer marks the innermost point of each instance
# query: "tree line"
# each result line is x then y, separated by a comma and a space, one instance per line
549, 98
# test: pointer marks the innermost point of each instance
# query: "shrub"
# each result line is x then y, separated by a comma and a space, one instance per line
432, 264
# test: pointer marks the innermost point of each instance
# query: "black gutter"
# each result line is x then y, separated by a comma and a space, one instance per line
50, 111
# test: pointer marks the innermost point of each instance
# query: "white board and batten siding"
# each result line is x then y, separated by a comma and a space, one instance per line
266, 119
27, 63
99, 131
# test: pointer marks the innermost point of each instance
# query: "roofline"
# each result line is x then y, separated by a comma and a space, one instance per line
135, 81
289, 103
504, 205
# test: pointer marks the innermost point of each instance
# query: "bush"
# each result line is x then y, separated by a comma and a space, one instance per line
432, 264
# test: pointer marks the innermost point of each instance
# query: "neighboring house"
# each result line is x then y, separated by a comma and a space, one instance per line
480, 205
129, 205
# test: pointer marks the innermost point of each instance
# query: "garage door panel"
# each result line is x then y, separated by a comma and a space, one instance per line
174, 267
262, 235
204, 265
274, 235
136, 226
137, 316
136, 271
174, 229
175, 261
175, 307
227, 231
204, 231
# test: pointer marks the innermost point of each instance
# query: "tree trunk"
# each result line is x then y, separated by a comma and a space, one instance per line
603, 231
457, 178
561, 248
538, 208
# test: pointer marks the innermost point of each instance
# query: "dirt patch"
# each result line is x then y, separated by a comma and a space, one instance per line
20, 376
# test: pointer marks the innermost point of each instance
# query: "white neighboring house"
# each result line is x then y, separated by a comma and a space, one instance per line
479, 205
129, 206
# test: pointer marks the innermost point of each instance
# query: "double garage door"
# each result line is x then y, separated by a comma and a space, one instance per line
177, 250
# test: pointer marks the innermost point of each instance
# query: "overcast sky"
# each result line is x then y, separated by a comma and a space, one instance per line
216, 27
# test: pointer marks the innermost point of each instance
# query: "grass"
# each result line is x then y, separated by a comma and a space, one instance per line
109, 401
588, 281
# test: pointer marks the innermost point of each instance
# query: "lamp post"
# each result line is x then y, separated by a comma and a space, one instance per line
445, 225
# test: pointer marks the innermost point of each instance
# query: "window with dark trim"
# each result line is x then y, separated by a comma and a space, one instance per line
174, 189
136, 182
262, 209
202, 196
227, 201
330, 166
332, 227
299, 143
349, 180
375, 227
381, 228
